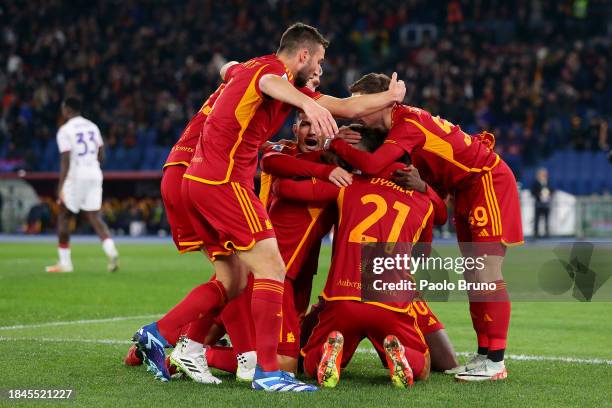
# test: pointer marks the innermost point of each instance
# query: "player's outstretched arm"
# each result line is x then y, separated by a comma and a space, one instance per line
307, 190
360, 105
284, 165
278, 88
369, 163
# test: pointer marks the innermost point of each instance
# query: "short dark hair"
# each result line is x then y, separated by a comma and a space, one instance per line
73, 103
371, 83
301, 35
371, 139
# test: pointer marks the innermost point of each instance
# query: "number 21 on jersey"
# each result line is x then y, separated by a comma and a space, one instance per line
358, 234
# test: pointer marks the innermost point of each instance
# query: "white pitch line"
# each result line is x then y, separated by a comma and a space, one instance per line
52, 340
525, 357
518, 357
75, 322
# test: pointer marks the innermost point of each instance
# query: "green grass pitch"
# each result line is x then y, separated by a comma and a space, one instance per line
87, 356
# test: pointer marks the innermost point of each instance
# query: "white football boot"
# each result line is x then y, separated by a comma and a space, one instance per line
486, 371
246, 366
113, 263
472, 363
59, 268
190, 357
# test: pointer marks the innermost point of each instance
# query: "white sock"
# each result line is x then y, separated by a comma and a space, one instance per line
64, 256
108, 245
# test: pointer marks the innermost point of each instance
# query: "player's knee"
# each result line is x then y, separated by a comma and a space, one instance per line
275, 271
94, 218
268, 265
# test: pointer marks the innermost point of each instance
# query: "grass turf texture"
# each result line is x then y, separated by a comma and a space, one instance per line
153, 277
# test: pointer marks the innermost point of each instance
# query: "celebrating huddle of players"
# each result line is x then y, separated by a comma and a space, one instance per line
356, 180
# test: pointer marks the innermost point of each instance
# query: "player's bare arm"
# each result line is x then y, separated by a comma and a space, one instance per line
64, 167
278, 88
360, 105
411, 179
350, 135
101, 154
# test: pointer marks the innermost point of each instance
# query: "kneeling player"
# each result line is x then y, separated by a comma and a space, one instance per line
487, 210
364, 218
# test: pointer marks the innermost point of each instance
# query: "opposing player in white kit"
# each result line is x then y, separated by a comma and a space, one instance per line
80, 184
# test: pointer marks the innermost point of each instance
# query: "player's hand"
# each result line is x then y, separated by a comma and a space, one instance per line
487, 139
340, 177
411, 179
321, 121
349, 135
397, 89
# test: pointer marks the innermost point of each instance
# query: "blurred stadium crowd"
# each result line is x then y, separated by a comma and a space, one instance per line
130, 216
535, 72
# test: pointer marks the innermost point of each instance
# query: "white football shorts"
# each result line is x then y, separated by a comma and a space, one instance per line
82, 194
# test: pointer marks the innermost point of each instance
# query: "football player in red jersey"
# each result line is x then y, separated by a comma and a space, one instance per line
226, 214
285, 160
487, 210
299, 227
178, 159
392, 325
183, 234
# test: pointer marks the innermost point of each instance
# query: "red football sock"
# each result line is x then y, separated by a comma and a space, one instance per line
223, 358
267, 309
311, 362
497, 313
198, 329
477, 312
416, 359
238, 322
172, 338
201, 301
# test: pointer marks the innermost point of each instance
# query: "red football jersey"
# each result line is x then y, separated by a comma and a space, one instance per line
447, 158
451, 155
183, 149
370, 210
239, 123
284, 159
299, 229
299, 226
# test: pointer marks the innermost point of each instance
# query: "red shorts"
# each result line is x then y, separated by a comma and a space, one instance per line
357, 321
183, 234
427, 321
226, 217
489, 209
296, 298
